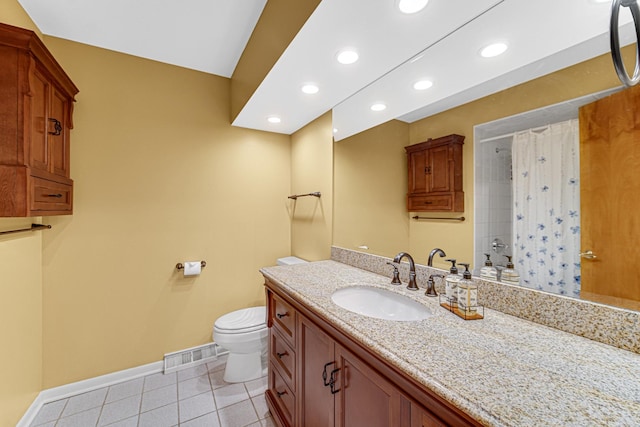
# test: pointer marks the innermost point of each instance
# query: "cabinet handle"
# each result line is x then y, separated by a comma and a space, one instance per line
281, 355
280, 316
324, 373
53, 195
332, 381
57, 126
280, 393
428, 203
427, 170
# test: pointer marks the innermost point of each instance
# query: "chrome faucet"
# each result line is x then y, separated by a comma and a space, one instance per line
412, 270
432, 253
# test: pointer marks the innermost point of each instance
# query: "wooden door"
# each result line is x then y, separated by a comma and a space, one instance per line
58, 133
418, 172
438, 169
610, 198
363, 397
39, 149
317, 355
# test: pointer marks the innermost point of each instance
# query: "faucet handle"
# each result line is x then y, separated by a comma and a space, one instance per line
431, 286
396, 275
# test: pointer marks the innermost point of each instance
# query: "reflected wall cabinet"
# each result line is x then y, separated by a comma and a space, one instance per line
435, 175
36, 105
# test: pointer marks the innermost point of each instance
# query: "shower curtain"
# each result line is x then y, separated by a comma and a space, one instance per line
546, 223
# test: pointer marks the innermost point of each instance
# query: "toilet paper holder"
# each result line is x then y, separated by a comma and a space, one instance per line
180, 266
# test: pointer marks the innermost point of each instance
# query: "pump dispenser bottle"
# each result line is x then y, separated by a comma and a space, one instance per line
451, 284
467, 292
488, 271
509, 274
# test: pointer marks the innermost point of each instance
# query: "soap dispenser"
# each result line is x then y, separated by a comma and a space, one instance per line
451, 284
488, 271
467, 292
509, 274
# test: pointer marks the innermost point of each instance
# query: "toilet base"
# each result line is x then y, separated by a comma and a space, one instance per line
244, 367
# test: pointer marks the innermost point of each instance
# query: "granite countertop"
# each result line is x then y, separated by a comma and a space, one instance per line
501, 370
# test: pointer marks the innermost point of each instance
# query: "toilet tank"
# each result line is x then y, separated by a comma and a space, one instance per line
290, 260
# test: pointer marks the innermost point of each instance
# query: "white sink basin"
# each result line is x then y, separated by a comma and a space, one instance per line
380, 303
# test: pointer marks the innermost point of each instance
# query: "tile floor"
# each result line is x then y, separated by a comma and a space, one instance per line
193, 397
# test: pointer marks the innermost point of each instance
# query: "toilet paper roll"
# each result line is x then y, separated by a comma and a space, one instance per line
192, 268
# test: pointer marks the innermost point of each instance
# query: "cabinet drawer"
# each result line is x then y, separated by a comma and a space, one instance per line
283, 396
283, 318
283, 358
430, 203
50, 196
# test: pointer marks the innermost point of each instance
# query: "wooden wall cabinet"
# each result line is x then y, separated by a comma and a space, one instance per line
435, 175
318, 376
36, 105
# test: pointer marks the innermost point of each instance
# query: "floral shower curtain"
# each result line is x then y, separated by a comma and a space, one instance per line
546, 223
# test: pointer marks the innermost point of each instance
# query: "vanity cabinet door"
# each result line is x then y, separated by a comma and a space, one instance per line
316, 359
363, 397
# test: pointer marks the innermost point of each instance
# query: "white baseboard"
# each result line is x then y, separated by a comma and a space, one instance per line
67, 390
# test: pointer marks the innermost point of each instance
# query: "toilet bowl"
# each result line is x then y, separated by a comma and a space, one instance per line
244, 333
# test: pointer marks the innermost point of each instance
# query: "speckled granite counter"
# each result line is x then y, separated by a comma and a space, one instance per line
501, 370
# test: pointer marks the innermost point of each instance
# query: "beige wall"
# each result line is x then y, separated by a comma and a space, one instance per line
21, 319
20, 295
370, 190
160, 177
455, 238
312, 170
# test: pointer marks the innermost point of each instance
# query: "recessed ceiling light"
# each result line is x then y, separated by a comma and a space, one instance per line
273, 119
310, 88
347, 56
335, 130
422, 84
494, 49
411, 6
378, 107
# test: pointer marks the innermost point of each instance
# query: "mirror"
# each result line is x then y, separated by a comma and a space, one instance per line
370, 167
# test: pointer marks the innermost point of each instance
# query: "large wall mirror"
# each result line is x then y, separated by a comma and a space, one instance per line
370, 178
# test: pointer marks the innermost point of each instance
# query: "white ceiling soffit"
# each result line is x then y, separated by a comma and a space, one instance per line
384, 38
543, 36
204, 35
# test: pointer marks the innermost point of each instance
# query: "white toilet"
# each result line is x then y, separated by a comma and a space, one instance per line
244, 333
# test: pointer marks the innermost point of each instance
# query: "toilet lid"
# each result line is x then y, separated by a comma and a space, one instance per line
245, 320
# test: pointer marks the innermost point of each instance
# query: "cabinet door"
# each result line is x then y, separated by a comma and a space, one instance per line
58, 124
364, 398
39, 149
317, 355
438, 169
418, 172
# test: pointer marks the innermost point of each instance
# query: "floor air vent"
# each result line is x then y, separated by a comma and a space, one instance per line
192, 357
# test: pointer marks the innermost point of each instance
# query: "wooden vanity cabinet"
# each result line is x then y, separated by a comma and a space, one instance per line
337, 382
435, 175
36, 104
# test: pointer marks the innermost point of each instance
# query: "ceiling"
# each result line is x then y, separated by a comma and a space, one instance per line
440, 43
